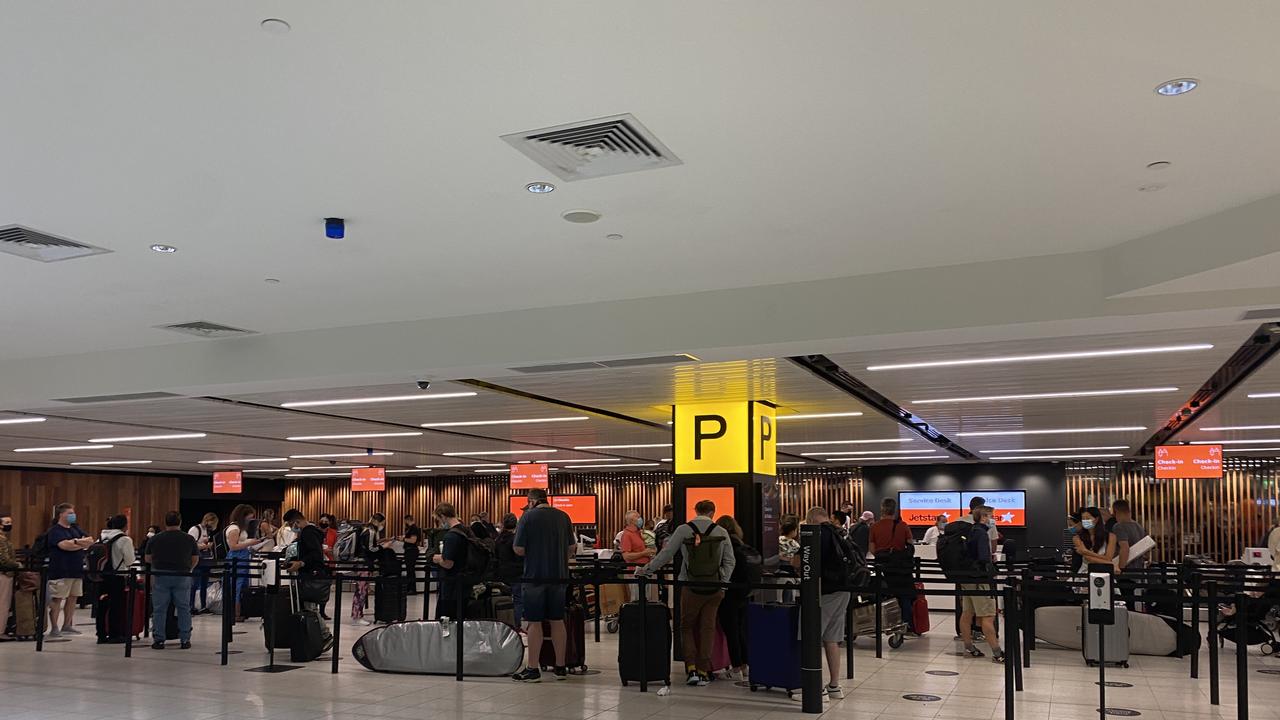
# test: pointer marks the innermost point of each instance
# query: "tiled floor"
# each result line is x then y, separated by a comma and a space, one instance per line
78, 679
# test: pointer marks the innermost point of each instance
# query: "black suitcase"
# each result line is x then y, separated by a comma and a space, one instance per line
307, 635
391, 600
253, 603
650, 627
171, 623
575, 654
279, 620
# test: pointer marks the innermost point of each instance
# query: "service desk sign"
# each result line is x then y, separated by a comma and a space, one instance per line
373, 479
227, 482
1188, 461
526, 476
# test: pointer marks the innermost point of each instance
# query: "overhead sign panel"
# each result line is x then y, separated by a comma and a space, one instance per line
227, 482
1009, 506
723, 438
372, 479
1188, 461
923, 508
525, 476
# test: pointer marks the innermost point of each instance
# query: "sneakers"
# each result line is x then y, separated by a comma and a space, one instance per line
561, 672
157, 645
835, 692
973, 651
997, 657
528, 675
71, 631
185, 645
697, 679
53, 633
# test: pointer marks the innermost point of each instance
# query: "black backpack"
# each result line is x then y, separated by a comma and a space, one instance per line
98, 560
848, 569
481, 560
40, 548
953, 552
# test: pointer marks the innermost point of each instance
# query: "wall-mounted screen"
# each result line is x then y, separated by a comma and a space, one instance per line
923, 508
1010, 506
723, 497
1188, 461
581, 509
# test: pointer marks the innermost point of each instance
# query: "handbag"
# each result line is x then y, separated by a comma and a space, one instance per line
314, 589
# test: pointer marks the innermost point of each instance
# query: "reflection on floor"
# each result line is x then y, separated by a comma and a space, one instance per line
78, 680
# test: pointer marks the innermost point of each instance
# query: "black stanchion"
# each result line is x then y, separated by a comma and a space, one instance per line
146, 583
677, 643
848, 639
42, 607
1102, 673
1027, 623
129, 600
1195, 622
596, 572
457, 626
1013, 637
229, 602
879, 621
644, 635
269, 613
1009, 683
1180, 594
810, 620
1242, 657
337, 619
1214, 698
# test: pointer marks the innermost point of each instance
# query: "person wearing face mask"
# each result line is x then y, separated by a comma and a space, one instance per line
932, 534
240, 546
203, 534
67, 544
1093, 544
510, 565
633, 547
329, 526
9, 567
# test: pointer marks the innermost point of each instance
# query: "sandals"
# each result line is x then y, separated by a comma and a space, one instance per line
972, 651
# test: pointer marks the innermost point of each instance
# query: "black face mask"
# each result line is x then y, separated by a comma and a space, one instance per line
7, 528
324, 523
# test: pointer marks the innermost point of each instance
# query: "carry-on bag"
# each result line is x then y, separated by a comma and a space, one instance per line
773, 647
277, 623
920, 611
653, 664
136, 615
24, 614
575, 654
429, 647
390, 599
253, 602
308, 634
1115, 638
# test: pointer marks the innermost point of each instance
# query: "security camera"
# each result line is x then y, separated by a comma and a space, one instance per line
424, 384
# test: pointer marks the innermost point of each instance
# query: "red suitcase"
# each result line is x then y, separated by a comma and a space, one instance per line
920, 610
138, 616
576, 647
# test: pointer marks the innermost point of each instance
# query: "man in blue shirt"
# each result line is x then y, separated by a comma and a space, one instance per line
983, 607
544, 538
67, 545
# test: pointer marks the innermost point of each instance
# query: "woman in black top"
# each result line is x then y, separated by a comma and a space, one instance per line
510, 565
732, 613
1093, 544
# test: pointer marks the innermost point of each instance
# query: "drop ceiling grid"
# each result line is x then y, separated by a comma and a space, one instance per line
1184, 370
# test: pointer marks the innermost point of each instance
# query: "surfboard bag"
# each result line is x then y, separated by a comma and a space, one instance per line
489, 648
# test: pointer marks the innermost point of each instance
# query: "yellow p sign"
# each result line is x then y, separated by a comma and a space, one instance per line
733, 437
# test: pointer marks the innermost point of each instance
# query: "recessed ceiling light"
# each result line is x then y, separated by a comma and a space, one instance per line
354, 436
889, 457
271, 281
621, 447
540, 188
405, 472
580, 216
267, 470
139, 438
114, 462
789, 462
461, 465
500, 452
624, 465
1152, 187
665, 460
844, 442
1055, 457
1259, 395
1057, 449
519, 421
613, 236
382, 399
328, 467
1076, 355
310, 475
1048, 396
1240, 450
22, 420
862, 452
585, 459
1055, 431
164, 249
817, 416
1180, 86
275, 26
1159, 165
64, 448
1240, 427
1235, 442
337, 455
239, 461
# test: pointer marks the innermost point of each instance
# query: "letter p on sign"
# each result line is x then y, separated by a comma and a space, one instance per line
729, 437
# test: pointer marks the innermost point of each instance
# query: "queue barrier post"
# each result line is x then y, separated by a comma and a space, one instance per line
129, 600
848, 640
146, 616
1195, 622
457, 623
1026, 625
811, 692
337, 621
879, 620
1008, 667
270, 611
42, 606
1013, 637
230, 601
644, 634
1242, 657
1214, 698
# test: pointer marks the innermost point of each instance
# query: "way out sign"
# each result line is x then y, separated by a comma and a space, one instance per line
729, 437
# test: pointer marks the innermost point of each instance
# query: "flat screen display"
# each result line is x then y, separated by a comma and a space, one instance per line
1188, 461
525, 476
1010, 506
922, 509
581, 509
723, 497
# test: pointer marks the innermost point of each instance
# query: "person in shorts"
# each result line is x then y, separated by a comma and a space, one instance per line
835, 595
982, 607
544, 538
67, 544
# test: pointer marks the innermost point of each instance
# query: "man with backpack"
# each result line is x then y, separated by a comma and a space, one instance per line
964, 552
108, 561
544, 538
708, 558
455, 547
843, 568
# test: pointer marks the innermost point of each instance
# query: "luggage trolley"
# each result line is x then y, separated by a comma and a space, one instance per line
891, 622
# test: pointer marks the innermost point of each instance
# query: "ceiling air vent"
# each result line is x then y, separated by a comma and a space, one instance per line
1263, 314
594, 148
117, 398
625, 362
35, 245
204, 329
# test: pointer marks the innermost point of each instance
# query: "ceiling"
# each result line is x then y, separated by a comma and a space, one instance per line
589, 420
821, 140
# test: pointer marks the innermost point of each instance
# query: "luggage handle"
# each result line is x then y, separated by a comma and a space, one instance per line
295, 597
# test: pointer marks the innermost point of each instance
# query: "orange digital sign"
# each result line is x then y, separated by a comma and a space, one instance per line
525, 476
368, 479
1188, 461
723, 497
581, 509
227, 482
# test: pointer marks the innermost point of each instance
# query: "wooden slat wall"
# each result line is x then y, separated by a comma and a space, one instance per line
616, 494
29, 495
1219, 518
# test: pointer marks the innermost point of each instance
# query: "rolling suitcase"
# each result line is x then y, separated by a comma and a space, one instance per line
1115, 638
773, 647
137, 615
920, 611
654, 663
24, 614
390, 600
253, 603
308, 635
279, 620
575, 653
